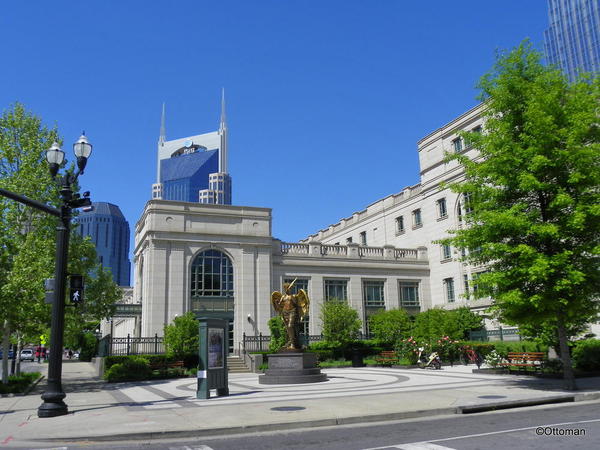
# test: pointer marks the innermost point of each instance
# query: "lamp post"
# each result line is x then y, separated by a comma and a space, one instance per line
53, 404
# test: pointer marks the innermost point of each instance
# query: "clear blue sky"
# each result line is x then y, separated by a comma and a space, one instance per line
326, 100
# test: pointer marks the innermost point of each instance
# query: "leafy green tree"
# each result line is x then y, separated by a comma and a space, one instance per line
278, 333
433, 324
341, 324
182, 336
534, 197
390, 326
465, 321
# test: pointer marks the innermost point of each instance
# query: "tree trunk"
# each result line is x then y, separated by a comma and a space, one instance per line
5, 336
565, 356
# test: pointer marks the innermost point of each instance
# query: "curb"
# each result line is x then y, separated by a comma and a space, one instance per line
27, 390
288, 426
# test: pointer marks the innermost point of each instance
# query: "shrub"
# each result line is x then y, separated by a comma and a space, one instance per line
278, 334
182, 336
89, 344
134, 368
409, 349
390, 326
18, 383
493, 359
586, 355
340, 322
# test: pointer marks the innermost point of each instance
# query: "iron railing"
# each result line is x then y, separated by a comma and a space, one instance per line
260, 343
109, 346
501, 334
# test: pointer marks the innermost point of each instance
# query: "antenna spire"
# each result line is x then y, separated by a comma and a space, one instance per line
163, 133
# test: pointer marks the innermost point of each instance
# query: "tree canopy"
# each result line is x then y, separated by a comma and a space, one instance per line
534, 212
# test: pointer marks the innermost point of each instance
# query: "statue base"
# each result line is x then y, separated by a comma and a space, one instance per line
292, 368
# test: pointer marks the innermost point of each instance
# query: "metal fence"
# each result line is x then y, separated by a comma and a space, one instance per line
109, 346
260, 343
501, 334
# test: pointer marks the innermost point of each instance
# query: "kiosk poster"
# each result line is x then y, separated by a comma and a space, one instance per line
215, 348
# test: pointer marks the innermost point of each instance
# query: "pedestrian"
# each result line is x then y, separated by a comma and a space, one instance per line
38, 353
70, 353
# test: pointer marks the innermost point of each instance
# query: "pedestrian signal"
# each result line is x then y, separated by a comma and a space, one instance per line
76, 289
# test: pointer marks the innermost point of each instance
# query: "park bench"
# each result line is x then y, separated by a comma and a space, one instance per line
524, 360
161, 365
387, 358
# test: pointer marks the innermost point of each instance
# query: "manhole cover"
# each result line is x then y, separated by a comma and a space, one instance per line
492, 396
288, 408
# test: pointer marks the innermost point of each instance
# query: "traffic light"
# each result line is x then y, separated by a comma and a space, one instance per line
76, 289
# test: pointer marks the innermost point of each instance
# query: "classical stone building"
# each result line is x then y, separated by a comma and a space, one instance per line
222, 261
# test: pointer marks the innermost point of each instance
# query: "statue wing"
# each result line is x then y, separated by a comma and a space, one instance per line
276, 301
303, 303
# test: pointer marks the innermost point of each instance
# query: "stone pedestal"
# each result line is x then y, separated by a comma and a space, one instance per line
292, 368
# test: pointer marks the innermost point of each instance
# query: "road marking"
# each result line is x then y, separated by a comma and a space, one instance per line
422, 446
466, 436
202, 447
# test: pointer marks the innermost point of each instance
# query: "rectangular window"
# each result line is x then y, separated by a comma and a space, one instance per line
400, 225
449, 289
441, 207
337, 289
409, 293
373, 300
477, 129
466, 285
349, 240
373, 294
363, 237
457, 145
467, 201
416, 215
446, 252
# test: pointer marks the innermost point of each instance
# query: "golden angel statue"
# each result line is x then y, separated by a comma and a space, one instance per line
292, 308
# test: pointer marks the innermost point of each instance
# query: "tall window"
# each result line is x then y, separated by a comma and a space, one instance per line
441, 207
457, 145
449, 289
446, 252
212, 282
337, 289
349, 240
301, 283
468, 203
399, 224
409, 293
373, 299
466, 285
363, 237
416, 215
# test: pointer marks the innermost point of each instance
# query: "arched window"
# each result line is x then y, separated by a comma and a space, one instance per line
212, 275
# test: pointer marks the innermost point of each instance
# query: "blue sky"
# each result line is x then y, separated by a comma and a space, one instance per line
326, 99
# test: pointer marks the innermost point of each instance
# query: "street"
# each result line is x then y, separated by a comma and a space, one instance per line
26, 366
573, 426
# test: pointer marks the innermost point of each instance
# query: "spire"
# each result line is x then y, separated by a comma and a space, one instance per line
163, 133
223, 134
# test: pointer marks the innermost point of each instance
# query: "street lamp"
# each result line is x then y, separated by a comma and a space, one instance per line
53, 404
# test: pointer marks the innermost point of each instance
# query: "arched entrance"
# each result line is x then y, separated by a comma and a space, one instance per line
211, 289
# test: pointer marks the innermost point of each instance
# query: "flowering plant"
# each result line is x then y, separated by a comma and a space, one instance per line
448, 348
493, 359
408, 349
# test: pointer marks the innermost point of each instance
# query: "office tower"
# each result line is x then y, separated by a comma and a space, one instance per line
194, 168
109, 231
572, 40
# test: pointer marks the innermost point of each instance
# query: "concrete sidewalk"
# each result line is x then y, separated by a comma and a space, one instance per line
168, 409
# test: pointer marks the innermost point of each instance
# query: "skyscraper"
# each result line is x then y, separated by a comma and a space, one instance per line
109, 231
572, 40
194, 168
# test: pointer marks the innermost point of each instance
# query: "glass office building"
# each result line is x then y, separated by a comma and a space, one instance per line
572, 40
109, 231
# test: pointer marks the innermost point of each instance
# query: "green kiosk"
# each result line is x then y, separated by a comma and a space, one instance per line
212, 365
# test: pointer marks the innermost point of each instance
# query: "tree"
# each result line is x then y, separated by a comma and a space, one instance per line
341, 324
434, 324
466, 321
182, 336
534, 197
278, 334
390, 326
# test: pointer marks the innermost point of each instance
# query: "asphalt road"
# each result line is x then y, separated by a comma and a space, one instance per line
572, 426
26, 366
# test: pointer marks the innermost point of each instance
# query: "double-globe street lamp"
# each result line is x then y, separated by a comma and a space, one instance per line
53, 404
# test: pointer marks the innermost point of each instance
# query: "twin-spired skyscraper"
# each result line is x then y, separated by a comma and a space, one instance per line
193, 169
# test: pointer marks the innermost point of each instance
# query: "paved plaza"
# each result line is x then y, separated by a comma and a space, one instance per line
100, 411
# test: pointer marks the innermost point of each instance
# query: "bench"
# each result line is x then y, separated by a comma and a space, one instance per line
170, 365
387, 358
523, 360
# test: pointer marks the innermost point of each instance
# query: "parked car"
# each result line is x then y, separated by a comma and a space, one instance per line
11, 354
27, 354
